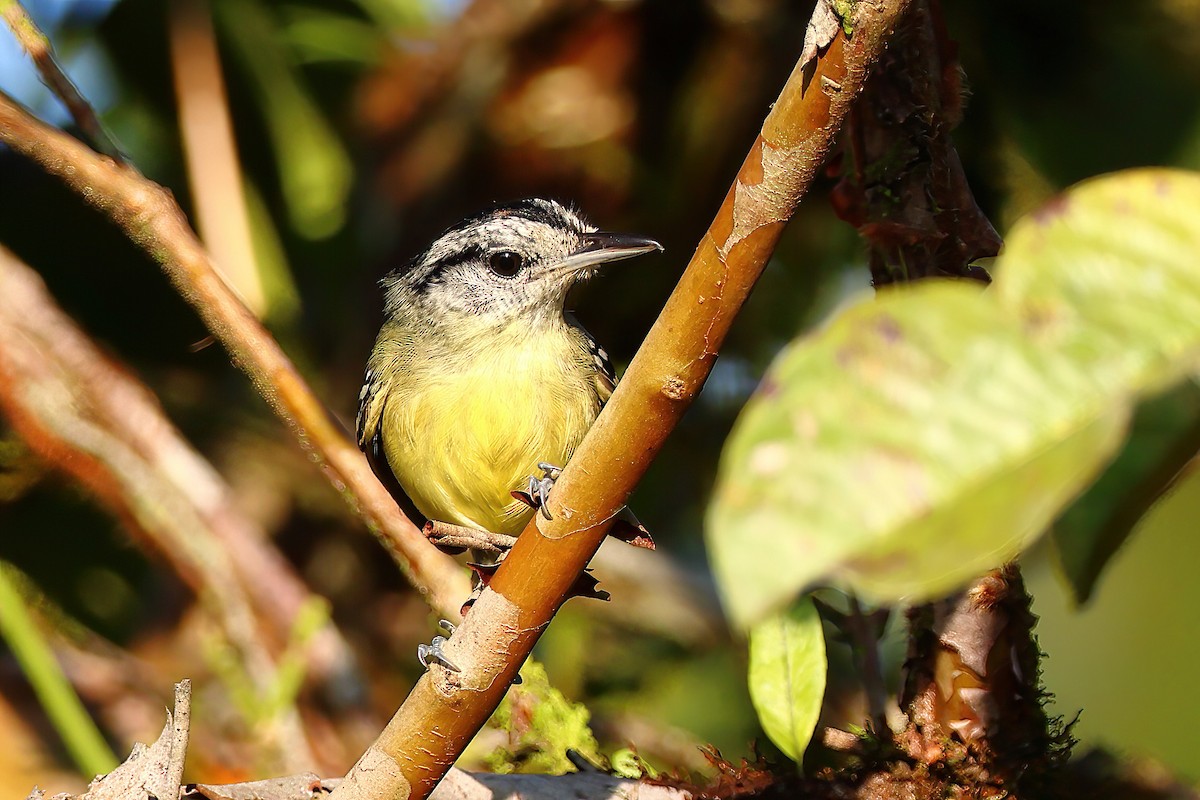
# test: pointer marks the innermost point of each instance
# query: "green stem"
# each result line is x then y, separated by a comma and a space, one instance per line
72, 721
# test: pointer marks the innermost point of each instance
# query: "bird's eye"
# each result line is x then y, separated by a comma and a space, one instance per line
505, 263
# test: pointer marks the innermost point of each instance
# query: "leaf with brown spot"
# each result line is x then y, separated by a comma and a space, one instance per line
944, 429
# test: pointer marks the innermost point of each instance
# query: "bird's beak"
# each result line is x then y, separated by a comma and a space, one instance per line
601, 248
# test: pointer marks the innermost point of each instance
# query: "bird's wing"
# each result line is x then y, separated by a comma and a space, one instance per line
370, 409
368, 422
606, 376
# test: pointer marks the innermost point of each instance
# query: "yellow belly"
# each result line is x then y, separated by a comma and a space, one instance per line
461, 440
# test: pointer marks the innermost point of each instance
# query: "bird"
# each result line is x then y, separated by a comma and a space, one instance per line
480, 378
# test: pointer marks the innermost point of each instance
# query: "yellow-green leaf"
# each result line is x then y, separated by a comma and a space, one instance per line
1110, 273
918, 440
787, 676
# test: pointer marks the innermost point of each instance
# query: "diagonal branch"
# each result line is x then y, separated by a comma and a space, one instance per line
149, 216
445, 709
35, 43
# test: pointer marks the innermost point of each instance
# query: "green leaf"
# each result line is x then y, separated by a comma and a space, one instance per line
787, 676
934, 433
917, 441
278, 284
66, 712
320, 36
1108, 273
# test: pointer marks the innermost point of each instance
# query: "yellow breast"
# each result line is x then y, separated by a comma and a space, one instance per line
462, 430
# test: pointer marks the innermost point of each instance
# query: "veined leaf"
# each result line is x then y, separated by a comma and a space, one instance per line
1108, 272
787, 676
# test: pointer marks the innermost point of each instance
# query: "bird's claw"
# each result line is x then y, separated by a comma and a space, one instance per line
433, 651
538, 490
539, 493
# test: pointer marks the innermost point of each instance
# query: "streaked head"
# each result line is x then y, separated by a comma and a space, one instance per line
514, 261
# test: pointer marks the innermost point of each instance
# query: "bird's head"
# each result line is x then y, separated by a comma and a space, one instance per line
512, 262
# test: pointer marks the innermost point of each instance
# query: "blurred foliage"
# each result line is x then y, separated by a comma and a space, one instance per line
970, 420
80, 735
365, 127
971, 434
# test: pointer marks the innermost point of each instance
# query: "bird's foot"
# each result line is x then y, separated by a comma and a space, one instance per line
433, 651
538, 492
427, 653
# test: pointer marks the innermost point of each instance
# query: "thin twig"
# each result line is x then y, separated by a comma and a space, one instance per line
180, 724
445, 708
149, 215
38, 47
443, 535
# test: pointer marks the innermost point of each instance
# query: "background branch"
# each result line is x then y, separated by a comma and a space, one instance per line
61, 392
80, 412
149, 216
905, 188
972, 695
210, 149
445, 709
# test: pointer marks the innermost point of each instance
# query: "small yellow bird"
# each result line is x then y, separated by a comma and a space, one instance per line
479, 378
